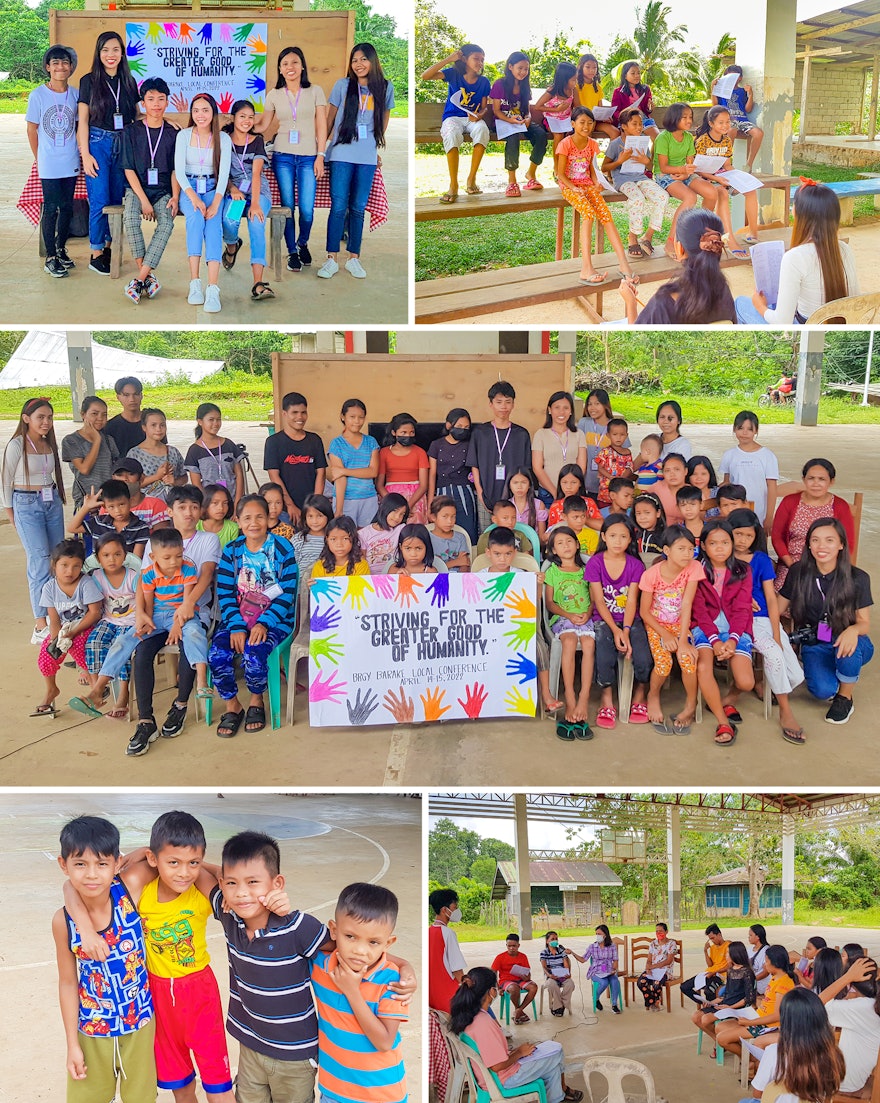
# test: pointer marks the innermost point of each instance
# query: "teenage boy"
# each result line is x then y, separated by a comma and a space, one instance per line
358, 1017
496, 448
151, 510
147, 158
51, 130
116, 516
620, 496
125, 427
515, 978
106, 1005
715, 953
294, 458
730, 496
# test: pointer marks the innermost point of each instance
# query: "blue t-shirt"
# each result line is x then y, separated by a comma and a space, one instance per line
359, 151
55, 115
472, 94
736, 104
762, 571
353, 458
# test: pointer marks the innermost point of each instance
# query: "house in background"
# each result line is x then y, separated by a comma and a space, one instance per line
728, 894
560, 887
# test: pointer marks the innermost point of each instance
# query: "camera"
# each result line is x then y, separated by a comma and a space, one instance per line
803, 637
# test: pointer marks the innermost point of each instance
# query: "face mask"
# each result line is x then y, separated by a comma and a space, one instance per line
455, 917
554, 944
405, 442
460, 434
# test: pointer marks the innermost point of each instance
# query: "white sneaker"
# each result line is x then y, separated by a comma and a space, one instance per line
328, 269
196, 296
39, 634
354, 266
212, 299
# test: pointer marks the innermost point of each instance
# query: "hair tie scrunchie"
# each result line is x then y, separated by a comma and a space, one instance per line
710, 242
806, 182
467, 982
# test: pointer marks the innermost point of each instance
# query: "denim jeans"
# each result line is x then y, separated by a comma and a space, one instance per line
106, 188
40, 526
600, 984
256, 229
748, 315
349, 191
200, 230
295, 173
549, 1069
195, 641
823, 669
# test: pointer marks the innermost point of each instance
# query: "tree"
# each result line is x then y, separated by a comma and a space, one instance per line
654, 43
435, 39
483, 871
495, 848
451, 851
381, 31
545, 56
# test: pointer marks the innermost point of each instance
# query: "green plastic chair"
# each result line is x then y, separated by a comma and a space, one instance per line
505, 1005
719, 1052
534, 1089
277, 656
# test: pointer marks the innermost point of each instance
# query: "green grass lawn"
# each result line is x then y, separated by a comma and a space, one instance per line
721, 409
460, 246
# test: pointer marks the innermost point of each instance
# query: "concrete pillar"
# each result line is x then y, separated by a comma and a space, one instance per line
82, 377
805, 83
324, 340
359, 341
522, 865
765, 47
535, 342
872, 109
788, 837
673, 852
809, 380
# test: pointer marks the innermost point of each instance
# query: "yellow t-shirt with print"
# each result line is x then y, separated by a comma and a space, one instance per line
175, 933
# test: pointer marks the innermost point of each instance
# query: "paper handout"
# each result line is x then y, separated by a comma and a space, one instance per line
641, 143
723, 89
504, 129
766, 262
705, 163
740, 181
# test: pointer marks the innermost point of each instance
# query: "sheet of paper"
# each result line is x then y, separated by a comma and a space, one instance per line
725, 86
700, 980
504, 129
455, 98
560, 971
741, 181
641, 143
559, 126
542, 1049
520, 971
704, 163
602, 114
604, 182
638, 102
736, 1013
766, 262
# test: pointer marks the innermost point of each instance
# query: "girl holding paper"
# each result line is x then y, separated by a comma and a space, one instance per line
590, 93
714, 139
557, 102
632, 93
629, 166
511, 96
739, 990
674, 153
463, 114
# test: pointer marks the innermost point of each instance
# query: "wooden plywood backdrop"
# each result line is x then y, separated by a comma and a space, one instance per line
427, 387
326, 38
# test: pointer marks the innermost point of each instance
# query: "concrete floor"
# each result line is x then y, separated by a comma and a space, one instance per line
32, 297
666, 1042
326, 842
71, 750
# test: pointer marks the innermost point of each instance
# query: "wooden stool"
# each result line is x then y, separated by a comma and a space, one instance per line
278, 217
114, 216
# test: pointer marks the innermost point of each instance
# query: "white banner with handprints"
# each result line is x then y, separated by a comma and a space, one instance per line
395, 648
227, 60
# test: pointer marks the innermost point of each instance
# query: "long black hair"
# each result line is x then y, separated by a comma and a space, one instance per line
827, 968
778, 958
748, 519
624, 85
560, 396
509, 80
584, 58
304, 81
233, 111
602, 396
469, 48
414, 531
809, 1063
101, 99
378, 87
840, 595
562, 78
527, 473
737, 568
467, 1002
702, 461
709, 118
570, 469
563, 530
701, 292
318, 502
354, 556
619, 519
388, 505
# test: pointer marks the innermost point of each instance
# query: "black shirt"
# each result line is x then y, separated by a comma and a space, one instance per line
135, 155
297, 461
127, 434
128, 101
452, 465
515, 446
815, 611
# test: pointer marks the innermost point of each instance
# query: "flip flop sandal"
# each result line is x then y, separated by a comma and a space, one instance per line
583, 731
254, 719
797, 736
230, 255
118, 714
521, 1020
564, 730
638, 714
533, 185
636, 252
229, 724
750, 240
513, 191
205, 694
732, 714
739, 254
607, 717
573, 1095
632, 277
662, 728
472, 189
680, 729
449, 197
86, 708
647, 248
46, 710
595, 279
725, 729
262, 290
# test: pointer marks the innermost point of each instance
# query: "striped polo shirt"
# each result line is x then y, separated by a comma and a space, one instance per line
168, 591
270, 1002
350, 1068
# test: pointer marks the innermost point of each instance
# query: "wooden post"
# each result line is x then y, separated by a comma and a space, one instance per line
872, 109
809, 381
805, 80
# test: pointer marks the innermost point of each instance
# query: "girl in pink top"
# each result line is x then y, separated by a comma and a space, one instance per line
531, 511
379, 539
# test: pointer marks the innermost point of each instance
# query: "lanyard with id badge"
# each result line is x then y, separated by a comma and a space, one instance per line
823, 628
47, 490
500, 469
59, 122
293, 133
118, 121
152, 171
363, 109
201, 179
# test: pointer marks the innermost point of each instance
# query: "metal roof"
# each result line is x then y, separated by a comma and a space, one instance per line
849, 34
561, 873
738, 876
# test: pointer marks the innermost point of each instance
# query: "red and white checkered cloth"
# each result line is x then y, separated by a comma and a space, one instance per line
31, 199
438, 1059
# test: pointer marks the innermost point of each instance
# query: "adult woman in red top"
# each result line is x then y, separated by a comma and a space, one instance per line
446, 967
796, 512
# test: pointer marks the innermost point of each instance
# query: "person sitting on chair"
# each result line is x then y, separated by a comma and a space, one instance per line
715, 952
557, 974
515, 978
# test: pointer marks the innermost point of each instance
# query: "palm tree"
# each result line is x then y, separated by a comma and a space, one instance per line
654, 44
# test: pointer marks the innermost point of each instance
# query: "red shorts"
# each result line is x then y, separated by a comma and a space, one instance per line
189, 1022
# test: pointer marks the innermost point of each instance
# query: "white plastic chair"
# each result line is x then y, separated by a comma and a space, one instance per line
614, 1069
457, 1068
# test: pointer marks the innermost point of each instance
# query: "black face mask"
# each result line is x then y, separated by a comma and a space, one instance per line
460, 434
405, 442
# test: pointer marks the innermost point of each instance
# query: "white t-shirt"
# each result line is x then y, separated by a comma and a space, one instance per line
801, 287
201, 548
751, 470
682, 446
55, 115
859, 1038
758, 962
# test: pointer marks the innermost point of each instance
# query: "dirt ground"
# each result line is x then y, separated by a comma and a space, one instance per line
326, 842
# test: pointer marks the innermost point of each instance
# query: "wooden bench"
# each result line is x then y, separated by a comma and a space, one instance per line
490, 291
847, 191
278, 217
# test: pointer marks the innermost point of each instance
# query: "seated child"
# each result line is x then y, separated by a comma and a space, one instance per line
152, 510
649, 471
690, 505
643, 196
380, 538
256, 591
358, 1017
449, 546
308, 540
701, 474
501, 549
530, 510
571, 481
616, 459
147, 158
574, 517
504, 515
218, 510
116, 516
118, 584
650, 520
414, 553
341, 554
73, 606
170, 883
668, 588
674, 477
106, 1005
567, 597
621, 494
274, 496
729, 497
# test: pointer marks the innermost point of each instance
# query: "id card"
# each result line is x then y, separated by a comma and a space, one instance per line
152, 178
201, 185
47, 493
59, 140
293, 137
500, 472
118, 121
823, 633
362, 132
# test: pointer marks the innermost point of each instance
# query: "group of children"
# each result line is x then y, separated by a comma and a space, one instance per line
132, 154
140, 1003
